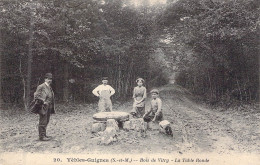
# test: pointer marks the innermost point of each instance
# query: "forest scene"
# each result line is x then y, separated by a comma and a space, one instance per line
202, 55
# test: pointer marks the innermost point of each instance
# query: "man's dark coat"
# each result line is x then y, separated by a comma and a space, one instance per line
43, 100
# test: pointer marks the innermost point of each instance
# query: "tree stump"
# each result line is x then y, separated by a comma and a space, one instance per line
135, 124
113, 123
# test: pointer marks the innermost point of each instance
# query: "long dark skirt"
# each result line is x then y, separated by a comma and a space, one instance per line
138, 112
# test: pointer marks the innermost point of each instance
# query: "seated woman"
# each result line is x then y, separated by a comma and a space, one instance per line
155, 112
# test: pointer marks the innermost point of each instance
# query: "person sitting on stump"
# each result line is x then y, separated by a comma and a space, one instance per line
139, 96
104, 92
155, 112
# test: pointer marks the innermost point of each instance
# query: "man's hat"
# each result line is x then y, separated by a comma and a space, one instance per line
104, 78
48, 75
155, 91
140, 79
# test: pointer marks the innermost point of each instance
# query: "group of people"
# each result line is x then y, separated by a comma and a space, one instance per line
105, 91
43, 103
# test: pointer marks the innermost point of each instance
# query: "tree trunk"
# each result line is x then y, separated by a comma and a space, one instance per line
1, 53
210, 85
240, 93
129, 78
119, 75
29, 61
66, 82
24, 84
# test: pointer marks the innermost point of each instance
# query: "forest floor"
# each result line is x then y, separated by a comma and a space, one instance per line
196, 128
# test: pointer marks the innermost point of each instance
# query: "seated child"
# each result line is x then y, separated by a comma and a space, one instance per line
155, 112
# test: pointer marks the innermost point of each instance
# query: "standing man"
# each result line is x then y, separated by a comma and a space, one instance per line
44, 99
104, 92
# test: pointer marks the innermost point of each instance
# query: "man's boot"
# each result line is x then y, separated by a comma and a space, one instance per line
42, 134
44, 138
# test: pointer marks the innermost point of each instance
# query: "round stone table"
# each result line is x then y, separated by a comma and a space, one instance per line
118, 116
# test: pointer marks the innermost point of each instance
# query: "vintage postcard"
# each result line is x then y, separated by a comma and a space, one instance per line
146, 82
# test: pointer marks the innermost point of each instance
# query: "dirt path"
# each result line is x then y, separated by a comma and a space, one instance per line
205, 130
196, 129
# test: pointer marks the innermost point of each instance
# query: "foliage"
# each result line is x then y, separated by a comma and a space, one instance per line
210, 46
81, 40
216, 47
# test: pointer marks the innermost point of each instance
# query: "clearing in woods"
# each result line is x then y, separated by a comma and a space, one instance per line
195, 128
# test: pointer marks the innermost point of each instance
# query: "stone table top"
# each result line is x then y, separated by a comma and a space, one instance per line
117, 115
